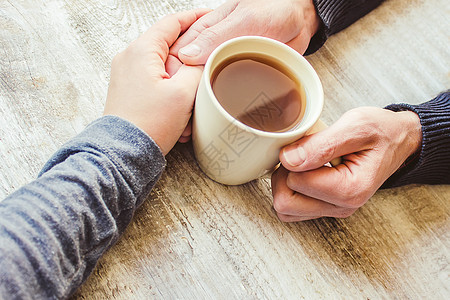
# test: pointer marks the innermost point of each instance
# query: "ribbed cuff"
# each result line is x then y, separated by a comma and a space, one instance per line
317, 41
337, 15
432, 164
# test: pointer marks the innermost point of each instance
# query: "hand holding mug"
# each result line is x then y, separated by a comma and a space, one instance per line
151, 88
373, 143
293, 22
250, 86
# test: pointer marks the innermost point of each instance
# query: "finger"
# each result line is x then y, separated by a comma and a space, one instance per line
349, 185
198, 51
186, 81
173, 64
184, 139
169, 28
188, 130
188, 78
196, 29
286, 201
348, 135
165, 32
185, 42
186, 135
206, 21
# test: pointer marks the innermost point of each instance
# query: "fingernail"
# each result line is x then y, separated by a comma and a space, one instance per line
190, 50
294, 155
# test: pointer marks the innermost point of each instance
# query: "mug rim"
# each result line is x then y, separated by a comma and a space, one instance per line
284, 134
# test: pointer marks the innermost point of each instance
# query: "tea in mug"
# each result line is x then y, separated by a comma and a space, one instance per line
259, 91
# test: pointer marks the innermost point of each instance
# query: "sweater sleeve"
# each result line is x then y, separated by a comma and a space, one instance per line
431, 164
337, 15
53, 230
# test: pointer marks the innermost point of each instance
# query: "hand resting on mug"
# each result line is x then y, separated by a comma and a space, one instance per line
293, 22
373, 143
151, 88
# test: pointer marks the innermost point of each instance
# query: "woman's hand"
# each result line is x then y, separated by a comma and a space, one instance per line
151, 88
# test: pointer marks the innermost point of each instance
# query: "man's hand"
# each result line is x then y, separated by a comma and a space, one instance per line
290, 21
151, 88
373, 142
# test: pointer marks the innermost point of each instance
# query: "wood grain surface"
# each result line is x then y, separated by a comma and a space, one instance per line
194, 238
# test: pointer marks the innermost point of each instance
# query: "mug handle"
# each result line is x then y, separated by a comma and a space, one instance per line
319, 126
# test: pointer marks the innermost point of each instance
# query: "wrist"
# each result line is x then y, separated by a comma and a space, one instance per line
432, 163
411, 121
310, 18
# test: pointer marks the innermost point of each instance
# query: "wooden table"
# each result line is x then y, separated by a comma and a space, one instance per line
194, 238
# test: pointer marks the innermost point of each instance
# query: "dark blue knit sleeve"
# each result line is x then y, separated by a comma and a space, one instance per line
336, 15
53, 230
431, 165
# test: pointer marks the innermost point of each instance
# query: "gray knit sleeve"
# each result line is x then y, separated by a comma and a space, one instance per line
53, 230
337, 15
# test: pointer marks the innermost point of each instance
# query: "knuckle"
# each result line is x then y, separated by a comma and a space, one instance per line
349, 193
353, 189
281, 203
197, 31
199, 27
328, 151
363, 122
357, 114
208, 36
292, 180
354, 195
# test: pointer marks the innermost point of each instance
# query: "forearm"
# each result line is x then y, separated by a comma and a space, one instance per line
53, 230
336, 15
431, 163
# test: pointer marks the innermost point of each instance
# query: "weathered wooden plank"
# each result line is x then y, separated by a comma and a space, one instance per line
194, 238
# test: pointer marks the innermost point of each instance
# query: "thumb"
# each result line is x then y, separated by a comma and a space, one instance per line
198, 51
193, 53
316, 150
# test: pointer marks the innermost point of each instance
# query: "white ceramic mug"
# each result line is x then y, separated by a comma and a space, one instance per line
231, 152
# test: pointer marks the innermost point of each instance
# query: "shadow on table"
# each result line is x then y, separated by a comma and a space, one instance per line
190, 225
